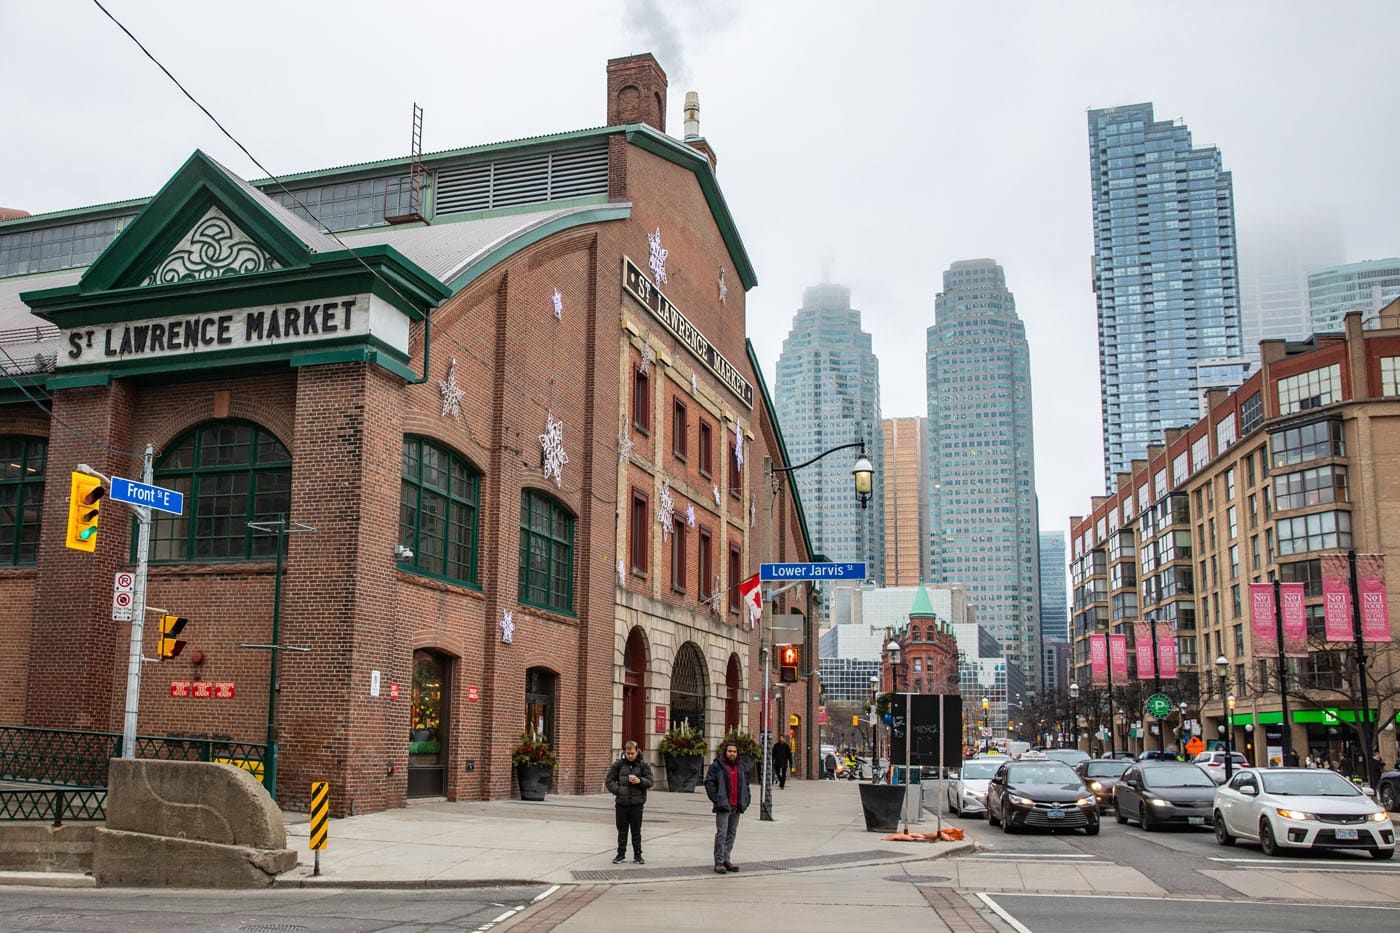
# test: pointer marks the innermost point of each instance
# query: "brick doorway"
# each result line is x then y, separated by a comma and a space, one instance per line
428, 729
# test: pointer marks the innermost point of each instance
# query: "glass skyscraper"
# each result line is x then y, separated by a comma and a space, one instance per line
828, 394
1054, 595
983, 530
1164, 273
1357, 286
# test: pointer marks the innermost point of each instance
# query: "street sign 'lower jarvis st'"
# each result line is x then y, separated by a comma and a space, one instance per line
156, 497
850, 570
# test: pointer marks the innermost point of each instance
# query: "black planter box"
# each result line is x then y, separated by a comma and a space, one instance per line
882, 804
534, 780
683, 773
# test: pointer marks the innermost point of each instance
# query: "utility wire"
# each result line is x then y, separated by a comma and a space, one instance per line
244, 149
76, 432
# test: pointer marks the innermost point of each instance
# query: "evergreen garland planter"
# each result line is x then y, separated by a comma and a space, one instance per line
683, 772
533, 780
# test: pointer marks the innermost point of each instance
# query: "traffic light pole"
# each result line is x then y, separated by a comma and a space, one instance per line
138, 620
765, 806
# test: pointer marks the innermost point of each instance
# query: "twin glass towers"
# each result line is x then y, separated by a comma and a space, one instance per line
1165, 279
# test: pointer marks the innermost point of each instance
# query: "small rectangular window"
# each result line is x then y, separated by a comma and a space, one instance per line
678, 556
707, 451
679, 435
641, 401
735, 565
707, 582
640, 546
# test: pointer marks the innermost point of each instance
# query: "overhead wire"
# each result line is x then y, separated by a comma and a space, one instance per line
76, 432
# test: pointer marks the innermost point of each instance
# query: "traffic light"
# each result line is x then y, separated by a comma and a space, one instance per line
170, 626
84, 502
788, 656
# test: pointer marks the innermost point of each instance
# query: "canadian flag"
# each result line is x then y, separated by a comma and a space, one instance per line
752, 595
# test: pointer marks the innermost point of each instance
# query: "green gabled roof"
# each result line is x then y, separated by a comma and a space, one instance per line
782, 447
923, 606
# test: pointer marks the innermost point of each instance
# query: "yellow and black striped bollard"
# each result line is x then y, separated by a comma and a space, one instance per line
320, 820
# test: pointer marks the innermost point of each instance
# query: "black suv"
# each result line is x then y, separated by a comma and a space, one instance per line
1043, 794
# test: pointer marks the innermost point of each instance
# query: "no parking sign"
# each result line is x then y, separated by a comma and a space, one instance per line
123, 596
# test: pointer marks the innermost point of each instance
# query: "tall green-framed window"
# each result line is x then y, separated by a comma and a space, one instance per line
438, 507
22, 462
232, 473
546, 553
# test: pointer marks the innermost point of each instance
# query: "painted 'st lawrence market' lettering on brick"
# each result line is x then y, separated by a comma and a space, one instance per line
636, 284
226, 330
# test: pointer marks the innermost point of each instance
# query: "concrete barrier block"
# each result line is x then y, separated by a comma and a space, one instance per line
192, 800
42, 847
142, 860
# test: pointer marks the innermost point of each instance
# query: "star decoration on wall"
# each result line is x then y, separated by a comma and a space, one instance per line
723, 288
552, 447
452, 393
738, 444
624, 446
558, 300
690, 514
715, 489
666, 511
657, 259
647, 356
507, 628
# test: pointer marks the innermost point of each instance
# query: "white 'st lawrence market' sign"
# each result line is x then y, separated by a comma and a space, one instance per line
271, 326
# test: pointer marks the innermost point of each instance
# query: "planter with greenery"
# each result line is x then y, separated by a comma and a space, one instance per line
683, 751
534, 764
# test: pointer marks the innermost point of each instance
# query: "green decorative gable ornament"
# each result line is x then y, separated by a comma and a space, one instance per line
214, 247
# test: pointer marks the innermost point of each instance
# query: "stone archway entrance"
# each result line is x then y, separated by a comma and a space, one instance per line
688, 687
634, 690
732, 688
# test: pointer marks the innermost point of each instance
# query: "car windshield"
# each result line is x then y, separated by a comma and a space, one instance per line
979, 770
1106, 768
1066, 754
1168, 776
1042, 772
1309, 784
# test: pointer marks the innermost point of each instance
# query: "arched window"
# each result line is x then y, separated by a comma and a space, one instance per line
438, 511
22, 461
232, 473
546, 553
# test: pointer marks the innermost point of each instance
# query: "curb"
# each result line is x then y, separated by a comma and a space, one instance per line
364, 884
46, 879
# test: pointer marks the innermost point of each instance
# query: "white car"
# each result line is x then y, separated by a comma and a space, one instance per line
1300, 808
967, 793
1213, 763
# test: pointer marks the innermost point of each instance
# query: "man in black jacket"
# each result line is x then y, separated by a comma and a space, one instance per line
628, 780
727, 786
782, 759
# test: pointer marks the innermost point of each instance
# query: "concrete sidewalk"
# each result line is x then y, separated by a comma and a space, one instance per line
567, 840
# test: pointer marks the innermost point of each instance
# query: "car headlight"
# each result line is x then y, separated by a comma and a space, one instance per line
1159, 802
1085, 802
1095, 785
1380, 816
1020, 801
1293, 814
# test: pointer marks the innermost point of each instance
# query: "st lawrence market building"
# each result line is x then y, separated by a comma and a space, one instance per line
502, 403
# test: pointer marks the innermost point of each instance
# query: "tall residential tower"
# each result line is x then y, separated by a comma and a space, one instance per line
1164, 273
828, 394
906, 501
983, 529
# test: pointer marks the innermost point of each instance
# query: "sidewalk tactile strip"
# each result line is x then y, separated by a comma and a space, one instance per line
956, 911
791, 864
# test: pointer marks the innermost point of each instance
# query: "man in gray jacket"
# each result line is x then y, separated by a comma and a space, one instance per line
628, 780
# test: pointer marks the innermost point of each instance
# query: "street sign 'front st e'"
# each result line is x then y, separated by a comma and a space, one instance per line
155, 497
836, 570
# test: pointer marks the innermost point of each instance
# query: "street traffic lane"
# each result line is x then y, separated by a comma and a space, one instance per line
1075, 913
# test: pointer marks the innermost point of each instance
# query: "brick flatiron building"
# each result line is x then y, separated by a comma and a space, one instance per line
509, 388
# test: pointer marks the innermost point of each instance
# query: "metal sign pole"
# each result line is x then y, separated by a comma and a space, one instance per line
138, 618
942, 790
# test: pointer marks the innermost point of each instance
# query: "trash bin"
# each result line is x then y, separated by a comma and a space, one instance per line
882, 804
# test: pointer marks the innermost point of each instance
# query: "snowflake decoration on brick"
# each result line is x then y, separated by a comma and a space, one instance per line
624, 446
452, 393
666, 511
723, 288
507, 628
552, 447
657, 260
621, 572
715, 489
558, 300
753, 510
694, 385
738, 445
647, 356
690, 514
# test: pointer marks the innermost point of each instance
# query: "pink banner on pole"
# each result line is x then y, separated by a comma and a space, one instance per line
1370, 587
1118, 657
1336, 597
1261, 619
1098, 660
1295, 620
1142, 643
1166, 652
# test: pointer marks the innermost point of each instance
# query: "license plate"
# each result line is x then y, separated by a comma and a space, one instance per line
1060, 814
1346, 835
1196, 820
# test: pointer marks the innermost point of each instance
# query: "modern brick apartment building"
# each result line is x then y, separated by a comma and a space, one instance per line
1302, 460
510, 391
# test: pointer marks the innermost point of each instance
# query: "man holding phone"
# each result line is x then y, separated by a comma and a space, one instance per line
628, 780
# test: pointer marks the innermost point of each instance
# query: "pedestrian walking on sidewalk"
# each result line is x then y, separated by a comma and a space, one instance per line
728, 788
782, 760
628, 780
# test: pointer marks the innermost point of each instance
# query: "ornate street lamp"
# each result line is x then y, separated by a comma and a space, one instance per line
1222, 668
1074, 712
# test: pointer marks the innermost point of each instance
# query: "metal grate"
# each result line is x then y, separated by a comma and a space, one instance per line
699, 871
523, 179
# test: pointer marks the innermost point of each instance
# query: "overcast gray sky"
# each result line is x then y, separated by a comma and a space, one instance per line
894, 138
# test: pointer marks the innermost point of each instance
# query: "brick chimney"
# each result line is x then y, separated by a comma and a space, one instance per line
693, 139
636, 91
